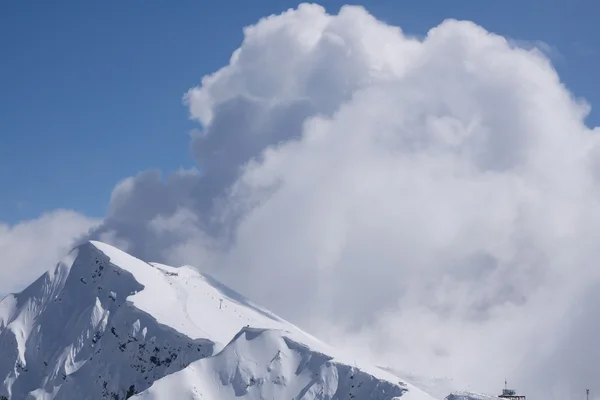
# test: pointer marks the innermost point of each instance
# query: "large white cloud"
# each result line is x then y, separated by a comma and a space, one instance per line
436, 197
434, 202
29, 248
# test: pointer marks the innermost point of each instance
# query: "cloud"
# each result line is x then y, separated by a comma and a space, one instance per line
437, 197
431, 203
434, 197
29, 248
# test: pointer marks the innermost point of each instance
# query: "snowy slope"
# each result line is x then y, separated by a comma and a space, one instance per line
103, 324
470, 396
439, 387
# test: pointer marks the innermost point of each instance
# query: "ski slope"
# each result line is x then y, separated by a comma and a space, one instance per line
103, 324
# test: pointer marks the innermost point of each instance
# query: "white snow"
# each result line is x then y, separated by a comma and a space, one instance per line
188, 301
103, 324
471, 396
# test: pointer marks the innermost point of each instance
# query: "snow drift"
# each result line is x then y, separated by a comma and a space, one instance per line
103, 324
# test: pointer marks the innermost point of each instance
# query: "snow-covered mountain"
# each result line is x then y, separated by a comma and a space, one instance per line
102, 324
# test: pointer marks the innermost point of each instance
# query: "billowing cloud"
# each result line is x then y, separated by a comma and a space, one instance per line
29, 248
432, 203
437, 197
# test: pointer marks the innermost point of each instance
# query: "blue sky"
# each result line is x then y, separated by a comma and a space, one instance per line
90, 92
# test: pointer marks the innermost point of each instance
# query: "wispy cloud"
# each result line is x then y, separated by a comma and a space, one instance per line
550, 51
29, 248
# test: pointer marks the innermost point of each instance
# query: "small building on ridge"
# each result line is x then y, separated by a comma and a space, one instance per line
510, 393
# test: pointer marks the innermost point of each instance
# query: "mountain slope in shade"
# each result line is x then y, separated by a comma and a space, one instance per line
104, 325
